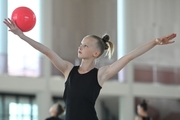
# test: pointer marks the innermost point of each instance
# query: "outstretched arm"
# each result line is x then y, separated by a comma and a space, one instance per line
59, 63
107, 72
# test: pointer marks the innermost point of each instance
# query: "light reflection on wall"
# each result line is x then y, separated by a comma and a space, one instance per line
23, 60
120, 35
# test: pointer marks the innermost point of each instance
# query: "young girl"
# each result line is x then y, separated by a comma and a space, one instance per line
142, 111
83, 83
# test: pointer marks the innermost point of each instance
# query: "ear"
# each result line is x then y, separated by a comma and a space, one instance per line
96, 54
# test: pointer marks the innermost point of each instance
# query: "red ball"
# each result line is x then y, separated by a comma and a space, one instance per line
24, 18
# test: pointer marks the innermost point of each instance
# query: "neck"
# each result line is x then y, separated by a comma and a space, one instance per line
144, 114
86, 65
53, 115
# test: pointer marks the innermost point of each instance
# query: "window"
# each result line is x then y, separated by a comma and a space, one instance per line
18, 107
23, 60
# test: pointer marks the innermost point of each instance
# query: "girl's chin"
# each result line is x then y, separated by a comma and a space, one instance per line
79, 56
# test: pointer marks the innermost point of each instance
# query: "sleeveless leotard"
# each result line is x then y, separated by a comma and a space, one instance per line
80, 94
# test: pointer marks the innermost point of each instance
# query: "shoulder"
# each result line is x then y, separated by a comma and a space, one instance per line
49, 118
69, 71
96, 69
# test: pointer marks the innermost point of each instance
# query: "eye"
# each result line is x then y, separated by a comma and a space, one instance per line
85, 46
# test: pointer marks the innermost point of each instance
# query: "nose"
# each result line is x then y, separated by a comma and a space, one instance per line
80, 47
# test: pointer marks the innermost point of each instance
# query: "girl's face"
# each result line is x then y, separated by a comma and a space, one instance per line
88, 48
53, 110
140, 110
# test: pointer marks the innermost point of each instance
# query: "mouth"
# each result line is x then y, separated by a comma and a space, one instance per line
79, 52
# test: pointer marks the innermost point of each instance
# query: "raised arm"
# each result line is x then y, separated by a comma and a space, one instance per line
107, 72
59, 63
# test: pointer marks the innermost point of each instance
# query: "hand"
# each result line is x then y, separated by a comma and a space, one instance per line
13, 27
166, 40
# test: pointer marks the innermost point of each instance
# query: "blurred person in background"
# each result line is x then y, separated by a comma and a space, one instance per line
55, 111
142, 109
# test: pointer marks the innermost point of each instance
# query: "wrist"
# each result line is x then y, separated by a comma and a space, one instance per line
158, 41
21, 35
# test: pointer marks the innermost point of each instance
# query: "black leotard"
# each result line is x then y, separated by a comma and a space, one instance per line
80, 94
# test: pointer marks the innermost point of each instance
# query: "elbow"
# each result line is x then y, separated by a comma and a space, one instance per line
128, 58
47, 53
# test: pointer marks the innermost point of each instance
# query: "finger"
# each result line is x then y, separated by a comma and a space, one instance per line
7, 23
171, 36
170, 42
8, 20
12, 22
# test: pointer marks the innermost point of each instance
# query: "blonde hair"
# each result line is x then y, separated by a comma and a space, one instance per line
104, 44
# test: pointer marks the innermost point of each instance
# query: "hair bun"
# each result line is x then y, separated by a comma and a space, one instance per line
105, 38
144, 102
